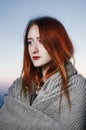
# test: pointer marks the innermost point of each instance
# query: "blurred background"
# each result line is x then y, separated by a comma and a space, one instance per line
14, 15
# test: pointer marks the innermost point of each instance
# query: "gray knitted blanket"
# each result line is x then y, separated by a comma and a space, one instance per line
43, 114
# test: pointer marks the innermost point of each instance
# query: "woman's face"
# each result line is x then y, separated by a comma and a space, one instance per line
38, 54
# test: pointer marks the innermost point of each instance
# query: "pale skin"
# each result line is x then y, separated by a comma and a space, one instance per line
37, 52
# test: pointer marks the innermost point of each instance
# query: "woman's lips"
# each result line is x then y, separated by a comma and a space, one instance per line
36, 57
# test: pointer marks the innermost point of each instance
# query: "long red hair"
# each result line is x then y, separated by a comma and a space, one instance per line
59, 46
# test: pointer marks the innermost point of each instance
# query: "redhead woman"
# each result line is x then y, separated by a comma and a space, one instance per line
50, 94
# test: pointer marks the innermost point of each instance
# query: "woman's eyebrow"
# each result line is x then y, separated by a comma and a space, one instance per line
29, 38
38, 38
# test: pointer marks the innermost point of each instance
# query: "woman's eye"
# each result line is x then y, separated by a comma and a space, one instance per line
29, 42
40, 41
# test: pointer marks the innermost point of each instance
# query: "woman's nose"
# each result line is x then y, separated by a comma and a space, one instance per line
35, 49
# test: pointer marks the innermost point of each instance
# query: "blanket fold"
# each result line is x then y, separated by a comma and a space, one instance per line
20, 116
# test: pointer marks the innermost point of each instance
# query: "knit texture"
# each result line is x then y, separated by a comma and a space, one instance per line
43, 114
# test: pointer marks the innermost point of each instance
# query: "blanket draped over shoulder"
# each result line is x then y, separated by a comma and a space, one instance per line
17, 114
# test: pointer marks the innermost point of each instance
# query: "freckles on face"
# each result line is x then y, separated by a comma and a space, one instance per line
38, 54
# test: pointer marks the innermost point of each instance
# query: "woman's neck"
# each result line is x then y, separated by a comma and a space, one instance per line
44, 70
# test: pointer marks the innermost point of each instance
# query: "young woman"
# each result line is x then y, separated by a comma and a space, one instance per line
50, 94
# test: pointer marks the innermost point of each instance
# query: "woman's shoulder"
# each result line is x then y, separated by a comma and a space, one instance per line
74, 77
77, 90
78, 80
77, 85
16, 87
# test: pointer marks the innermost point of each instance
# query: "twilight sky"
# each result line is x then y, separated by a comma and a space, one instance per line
14, 15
